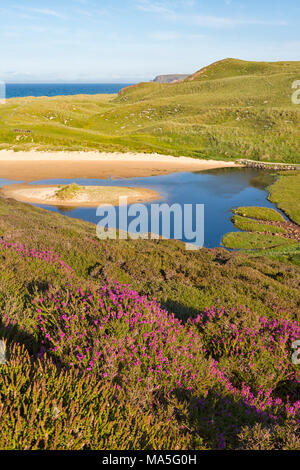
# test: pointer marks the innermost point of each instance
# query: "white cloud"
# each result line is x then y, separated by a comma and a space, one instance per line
165, 35
45, 11
174, 35
221, 22
153, 7
208, 21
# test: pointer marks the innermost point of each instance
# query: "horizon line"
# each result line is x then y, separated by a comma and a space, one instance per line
62, 82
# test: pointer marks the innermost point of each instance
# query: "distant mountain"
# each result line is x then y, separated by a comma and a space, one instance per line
170, 78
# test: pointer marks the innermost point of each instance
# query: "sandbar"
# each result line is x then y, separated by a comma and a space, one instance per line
88, 196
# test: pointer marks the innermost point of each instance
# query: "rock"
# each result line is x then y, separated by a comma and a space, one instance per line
172, 78
267, 166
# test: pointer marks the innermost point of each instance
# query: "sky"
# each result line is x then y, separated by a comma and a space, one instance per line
128, 41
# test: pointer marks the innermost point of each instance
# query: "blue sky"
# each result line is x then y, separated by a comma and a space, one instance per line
134, 40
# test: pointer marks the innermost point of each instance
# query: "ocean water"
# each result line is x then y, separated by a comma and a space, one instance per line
18, 90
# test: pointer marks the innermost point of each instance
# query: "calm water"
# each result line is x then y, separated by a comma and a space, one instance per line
16, 90
219, 190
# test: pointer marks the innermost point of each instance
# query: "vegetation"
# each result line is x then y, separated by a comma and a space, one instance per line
276, 239
183, 282
178, 349
93, 364
252, 241
68, 192
243, 223
228, 110
285, 193
260, 213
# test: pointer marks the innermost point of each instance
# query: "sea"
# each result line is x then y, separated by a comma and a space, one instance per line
18, 90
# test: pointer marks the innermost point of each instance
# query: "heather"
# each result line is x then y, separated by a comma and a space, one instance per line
94, 361
117, 347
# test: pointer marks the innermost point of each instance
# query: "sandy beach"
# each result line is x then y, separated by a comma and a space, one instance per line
33, 165
88, 196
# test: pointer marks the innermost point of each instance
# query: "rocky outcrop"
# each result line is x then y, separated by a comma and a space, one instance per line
268, 166
172, 78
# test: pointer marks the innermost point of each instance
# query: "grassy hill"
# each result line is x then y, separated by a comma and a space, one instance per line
238, 68
228, 110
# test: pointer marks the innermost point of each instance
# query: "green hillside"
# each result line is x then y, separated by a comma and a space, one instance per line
228, 110
236, 68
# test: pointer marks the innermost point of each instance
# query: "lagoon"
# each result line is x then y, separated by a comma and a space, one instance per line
220, 190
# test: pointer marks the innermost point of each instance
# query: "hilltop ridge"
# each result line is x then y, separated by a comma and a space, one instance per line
230, 67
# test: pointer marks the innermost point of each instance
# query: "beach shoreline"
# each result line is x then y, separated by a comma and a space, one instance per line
35, 165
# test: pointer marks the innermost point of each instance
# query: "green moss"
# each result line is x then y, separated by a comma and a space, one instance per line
260, 213
250, 225
285, 192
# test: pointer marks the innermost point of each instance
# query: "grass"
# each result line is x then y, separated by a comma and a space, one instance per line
230, 110
68, 192
285, 193
284, 254
249, 225
253, 241
261, 238
259, 213
91, 364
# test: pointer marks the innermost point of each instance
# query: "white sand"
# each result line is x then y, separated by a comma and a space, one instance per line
88, 196
34, 166
106, 156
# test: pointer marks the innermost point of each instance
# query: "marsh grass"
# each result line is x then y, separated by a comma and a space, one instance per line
259, 213
250, 225
261, 238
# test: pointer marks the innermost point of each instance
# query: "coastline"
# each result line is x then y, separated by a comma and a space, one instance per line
33, 165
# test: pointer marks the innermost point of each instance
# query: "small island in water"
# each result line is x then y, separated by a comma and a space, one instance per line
74, 195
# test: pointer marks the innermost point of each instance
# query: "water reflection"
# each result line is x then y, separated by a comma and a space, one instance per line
263, 180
